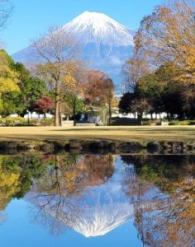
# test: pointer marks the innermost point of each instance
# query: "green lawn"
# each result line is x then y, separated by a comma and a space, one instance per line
114, 133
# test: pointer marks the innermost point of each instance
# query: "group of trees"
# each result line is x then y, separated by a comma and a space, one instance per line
59, 83
66, 88
158, 92
161, 72
68, 79
20, 91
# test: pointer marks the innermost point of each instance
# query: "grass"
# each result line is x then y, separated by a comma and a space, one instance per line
141, 133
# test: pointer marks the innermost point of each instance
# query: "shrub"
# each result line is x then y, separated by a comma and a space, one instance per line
13, 121
20, 121
46, 122
183, 122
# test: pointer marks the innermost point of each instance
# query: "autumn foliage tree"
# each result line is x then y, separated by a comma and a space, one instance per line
19, 89
72, 89
161, 70
8, 76
44, 105
56, 52
167, 35
99, 91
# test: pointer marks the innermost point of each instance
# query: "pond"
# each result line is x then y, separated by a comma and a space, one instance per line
97, 200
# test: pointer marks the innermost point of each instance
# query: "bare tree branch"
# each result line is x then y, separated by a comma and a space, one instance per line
5, 11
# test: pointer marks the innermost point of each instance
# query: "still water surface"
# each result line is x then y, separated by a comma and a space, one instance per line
97, 200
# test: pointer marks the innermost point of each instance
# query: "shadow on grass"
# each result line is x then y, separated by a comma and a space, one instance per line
144, 130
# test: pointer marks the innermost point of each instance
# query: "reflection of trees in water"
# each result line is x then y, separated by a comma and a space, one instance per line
49, 211
169, 221
68, 177
16, 175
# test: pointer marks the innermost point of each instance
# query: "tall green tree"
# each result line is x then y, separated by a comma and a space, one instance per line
8, 76
20, 95
32, 88
72, 105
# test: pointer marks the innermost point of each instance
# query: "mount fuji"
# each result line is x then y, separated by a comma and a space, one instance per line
106, 44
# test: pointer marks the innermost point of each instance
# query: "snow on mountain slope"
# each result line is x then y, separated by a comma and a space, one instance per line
95, 212
96, 27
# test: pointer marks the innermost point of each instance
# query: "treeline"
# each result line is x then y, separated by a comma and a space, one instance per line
161, 73
158, 93
79, 90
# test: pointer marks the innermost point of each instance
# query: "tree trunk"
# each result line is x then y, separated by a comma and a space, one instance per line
140, 117
109, 113
57, 121
28, 118
74, 110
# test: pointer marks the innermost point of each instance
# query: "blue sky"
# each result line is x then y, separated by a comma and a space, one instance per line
31, 18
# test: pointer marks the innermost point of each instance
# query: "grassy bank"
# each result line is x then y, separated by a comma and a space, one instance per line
170, 133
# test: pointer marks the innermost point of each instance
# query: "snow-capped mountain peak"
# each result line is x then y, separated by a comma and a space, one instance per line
92, 27
105, 44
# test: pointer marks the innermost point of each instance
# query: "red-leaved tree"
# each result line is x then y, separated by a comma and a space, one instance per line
44, 105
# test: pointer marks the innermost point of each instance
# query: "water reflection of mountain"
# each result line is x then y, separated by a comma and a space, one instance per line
95, 194
89, 218
92, 209
99, 204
